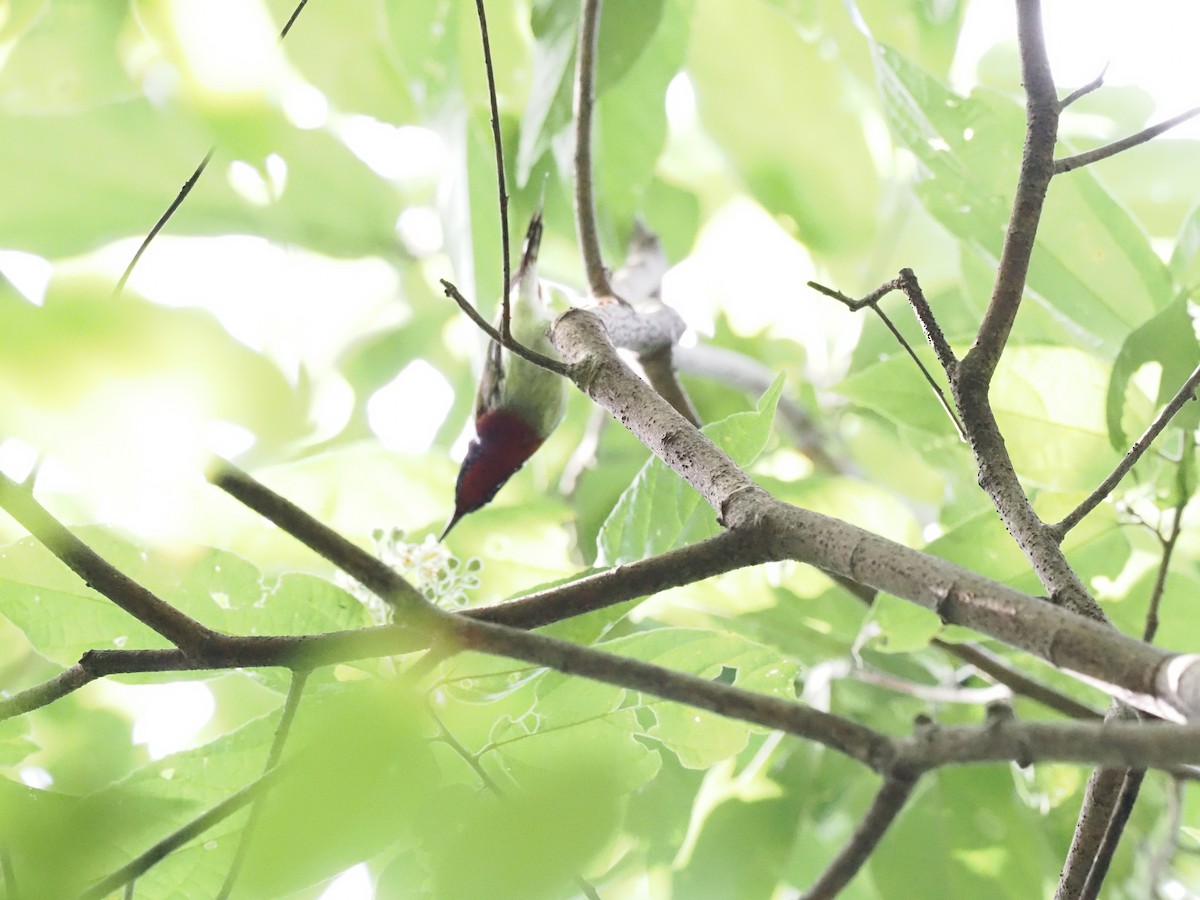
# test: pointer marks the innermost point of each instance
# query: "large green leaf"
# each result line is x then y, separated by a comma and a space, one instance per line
1049, 402
946, 848
63, 618
57, 844
697, 737
59, 201
776, 105
1168, 342
659, 511
1092, 266
358, 770
627, 28
67, 61
83, 352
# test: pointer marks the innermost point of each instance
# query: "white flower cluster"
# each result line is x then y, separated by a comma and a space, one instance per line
438, 574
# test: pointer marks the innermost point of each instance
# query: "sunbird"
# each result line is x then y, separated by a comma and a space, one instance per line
518, 403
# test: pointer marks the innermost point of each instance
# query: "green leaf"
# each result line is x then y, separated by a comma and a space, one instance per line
534, 841
947, 849
342, 50
569, 714
138, 156
57, 844
1167, 342
358, 771
830, 199
631, 120
15, 741
660, 511
894, 387
700, 738
1049, 402
63, 617
66, 62
904, 627
1185, 258
204, 775
627, 28
1092, 267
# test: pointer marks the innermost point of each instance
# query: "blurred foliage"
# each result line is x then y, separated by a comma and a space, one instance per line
291, 313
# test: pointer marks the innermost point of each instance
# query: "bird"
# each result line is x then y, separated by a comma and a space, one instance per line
518, 403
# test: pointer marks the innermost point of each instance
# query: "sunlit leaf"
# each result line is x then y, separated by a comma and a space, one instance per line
659, 511
829, 199
1093, 266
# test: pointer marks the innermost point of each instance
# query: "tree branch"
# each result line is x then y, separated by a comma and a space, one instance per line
1079, 160
585, 108
1093, 85
545, 362
47, 692
319, 538
841, 549
193, 829
1020, 683
181, 630
1096, 815
972, 383
854, 740
883, 812
282, 730
1037, 168
1185, 393
1131, 786
907, 283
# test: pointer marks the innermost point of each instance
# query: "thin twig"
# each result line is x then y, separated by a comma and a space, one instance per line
882, 813
1168, 546
933, 693
446, 736
1093, 85
162, 220
1018, 682
498, 144
287, 26
1185, 393
190, 183
330, 545
193, 829
1079, 160
907, 282
47, 692
538, 359
585, 108
932, 331
282, 730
